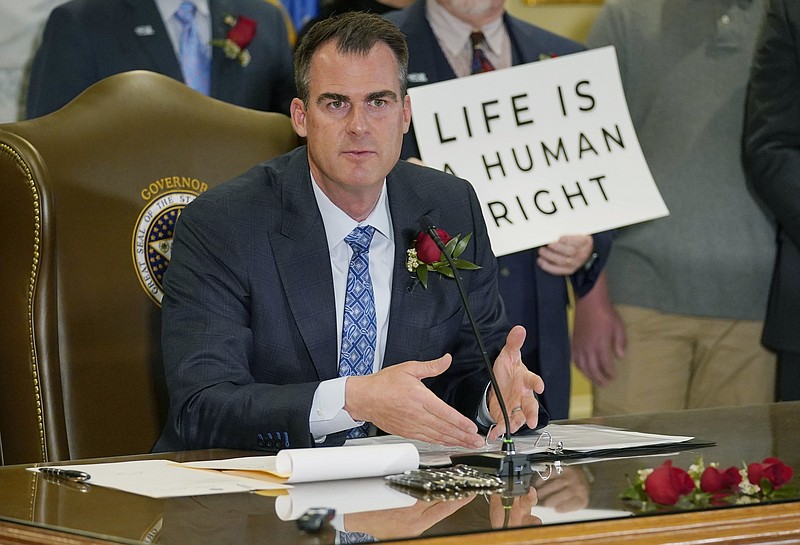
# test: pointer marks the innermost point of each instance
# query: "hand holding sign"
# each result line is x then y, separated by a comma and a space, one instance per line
549, 147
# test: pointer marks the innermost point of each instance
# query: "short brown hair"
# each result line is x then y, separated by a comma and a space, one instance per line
355, 33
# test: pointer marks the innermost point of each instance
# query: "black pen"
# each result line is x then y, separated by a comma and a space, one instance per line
68, 474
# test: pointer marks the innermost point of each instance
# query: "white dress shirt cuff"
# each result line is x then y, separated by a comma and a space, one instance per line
327, 410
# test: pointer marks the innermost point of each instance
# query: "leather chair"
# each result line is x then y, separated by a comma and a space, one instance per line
90, 194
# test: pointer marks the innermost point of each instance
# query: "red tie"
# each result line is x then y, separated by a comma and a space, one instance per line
480, 63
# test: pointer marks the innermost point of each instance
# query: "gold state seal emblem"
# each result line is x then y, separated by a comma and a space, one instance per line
152, 237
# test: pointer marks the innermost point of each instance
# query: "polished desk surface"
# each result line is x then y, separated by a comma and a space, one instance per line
38, 509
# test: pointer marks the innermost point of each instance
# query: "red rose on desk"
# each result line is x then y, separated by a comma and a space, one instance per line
713, 480
666, 484
773, 470
427, 250
706, 485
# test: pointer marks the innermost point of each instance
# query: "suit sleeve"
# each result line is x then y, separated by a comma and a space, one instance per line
584, 279
772, 121
208, 345
63, 65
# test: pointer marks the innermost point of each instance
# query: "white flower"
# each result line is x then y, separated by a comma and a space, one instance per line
644, 473
412, 262
746, 487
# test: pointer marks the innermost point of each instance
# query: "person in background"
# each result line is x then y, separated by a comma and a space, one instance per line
328, 9
675, 321
532, 283
287, 318
772, 159
21, 25
189, 40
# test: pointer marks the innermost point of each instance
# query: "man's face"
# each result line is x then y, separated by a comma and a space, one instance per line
473, 11
354, 122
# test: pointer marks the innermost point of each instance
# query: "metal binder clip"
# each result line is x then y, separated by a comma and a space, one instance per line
550, 449
549, 438
556, 450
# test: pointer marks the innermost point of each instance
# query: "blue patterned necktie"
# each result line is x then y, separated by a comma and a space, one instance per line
480, 63
355, 537
359, 327
194, 60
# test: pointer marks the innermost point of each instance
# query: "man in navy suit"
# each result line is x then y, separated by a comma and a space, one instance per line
87, 40
254, 295
531, 282
772, 158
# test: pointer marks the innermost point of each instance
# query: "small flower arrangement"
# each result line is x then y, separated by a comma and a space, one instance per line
425, 256
241, 33
705, 486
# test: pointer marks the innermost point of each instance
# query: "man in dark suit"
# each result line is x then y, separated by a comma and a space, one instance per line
87, 40
531, 282
772, 160
257, 288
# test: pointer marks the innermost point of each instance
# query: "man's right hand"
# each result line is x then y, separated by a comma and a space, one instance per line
397, 402
598, 335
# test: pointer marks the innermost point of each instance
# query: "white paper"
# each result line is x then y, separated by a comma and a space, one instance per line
354, 496
326, 463
549, 147
550, 516
166, 479
575, 437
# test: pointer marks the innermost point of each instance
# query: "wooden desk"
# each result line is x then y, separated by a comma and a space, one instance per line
35, 510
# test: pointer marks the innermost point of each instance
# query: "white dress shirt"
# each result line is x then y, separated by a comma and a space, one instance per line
327, 410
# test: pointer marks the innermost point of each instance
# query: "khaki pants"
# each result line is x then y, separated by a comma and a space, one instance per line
677, 362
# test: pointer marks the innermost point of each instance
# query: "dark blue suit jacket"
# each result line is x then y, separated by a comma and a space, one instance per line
249, 325
534, 298
87, 40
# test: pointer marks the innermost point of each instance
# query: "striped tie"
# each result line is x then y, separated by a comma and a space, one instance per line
194, 60
480, 63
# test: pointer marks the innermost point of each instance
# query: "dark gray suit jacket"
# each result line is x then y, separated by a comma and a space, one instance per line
249, 325
87, 40
772, 159
534, 298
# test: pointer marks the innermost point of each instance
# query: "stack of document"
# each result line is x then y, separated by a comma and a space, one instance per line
164, 479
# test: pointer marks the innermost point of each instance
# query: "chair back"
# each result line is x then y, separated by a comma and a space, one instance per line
90, 195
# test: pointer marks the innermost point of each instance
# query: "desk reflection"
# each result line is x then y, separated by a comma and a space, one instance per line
371, 507
578, 492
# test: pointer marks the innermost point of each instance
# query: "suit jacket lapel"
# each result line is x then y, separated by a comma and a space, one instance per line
425, 55
303, 262
150, 34
526, 45
406, 320
220, 64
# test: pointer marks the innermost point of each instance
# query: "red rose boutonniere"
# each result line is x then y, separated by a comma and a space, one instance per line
704, 486
424, 255
241, 33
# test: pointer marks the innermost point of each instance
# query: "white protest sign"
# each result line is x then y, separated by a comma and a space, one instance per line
549, 147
